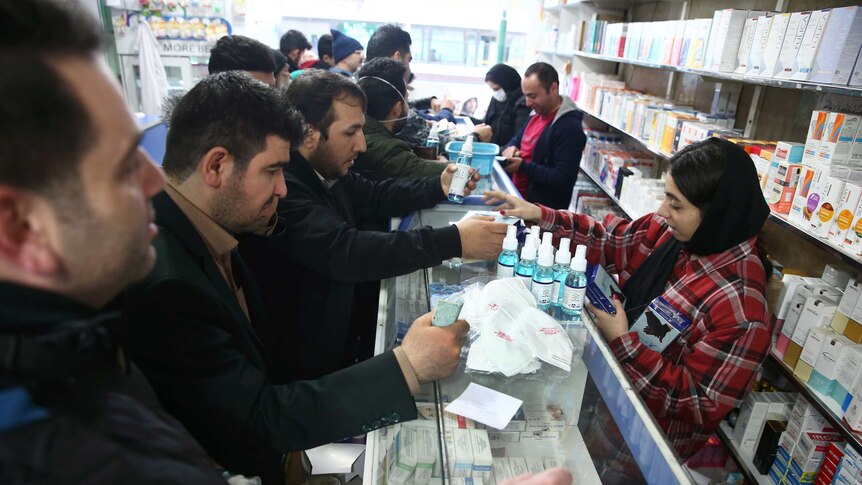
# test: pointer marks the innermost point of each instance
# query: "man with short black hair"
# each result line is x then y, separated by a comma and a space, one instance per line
75, 228
193, 319
292, 44
324, 53
382, 80
311, 270
241, 53
545, 155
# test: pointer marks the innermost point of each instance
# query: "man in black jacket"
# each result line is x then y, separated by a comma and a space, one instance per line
193, 318
308, 272
75, 228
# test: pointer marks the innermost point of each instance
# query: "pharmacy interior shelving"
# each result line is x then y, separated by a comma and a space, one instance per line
726, 76
824, 405
781, 220
750, 471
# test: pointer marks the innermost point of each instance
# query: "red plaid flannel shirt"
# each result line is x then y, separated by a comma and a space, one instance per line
708, 370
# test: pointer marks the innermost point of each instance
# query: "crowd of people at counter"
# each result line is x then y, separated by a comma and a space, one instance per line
205, 321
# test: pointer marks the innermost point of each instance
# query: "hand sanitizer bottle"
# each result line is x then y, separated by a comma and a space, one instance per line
433, 140
543, 278
462, 176
561, 270
576, 285
509, 256
527, 265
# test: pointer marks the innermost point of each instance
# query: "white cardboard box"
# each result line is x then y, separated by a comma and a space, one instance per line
842, 39
402, 456
481, 454
792, 43
462, 465
850, 197
818, 312
749, 28
758, 46
810, 45
770, 65
849, 366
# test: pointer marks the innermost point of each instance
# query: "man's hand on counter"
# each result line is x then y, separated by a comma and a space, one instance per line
481, 237
449, 173
434, 352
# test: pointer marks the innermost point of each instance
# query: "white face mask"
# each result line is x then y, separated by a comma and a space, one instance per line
500, 95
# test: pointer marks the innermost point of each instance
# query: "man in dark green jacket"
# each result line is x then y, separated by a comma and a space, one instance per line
382, 80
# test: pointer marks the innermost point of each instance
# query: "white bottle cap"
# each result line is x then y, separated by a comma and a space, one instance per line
528, 252
468, 145
563, 255
579, 263
548, 239
510, 242
546, 256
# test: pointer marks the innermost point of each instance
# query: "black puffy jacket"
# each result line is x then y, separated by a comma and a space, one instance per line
70, 413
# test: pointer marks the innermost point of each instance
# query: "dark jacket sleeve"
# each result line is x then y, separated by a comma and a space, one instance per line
393, 158
444, 114
567, 141
393, 197
421, 103
331, 246
180, 339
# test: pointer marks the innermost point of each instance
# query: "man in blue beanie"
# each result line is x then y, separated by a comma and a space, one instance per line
347, 54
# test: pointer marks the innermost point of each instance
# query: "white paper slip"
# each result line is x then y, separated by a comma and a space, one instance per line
496, 215
486, 406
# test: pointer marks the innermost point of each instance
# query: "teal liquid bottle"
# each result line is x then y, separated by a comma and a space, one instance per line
509, 256
562, 268
543, 278
576, 285
527, 265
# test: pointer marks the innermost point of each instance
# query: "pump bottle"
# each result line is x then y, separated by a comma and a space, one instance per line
509, 256
527, 265
576, 285
462, 175
561, 270
543, 278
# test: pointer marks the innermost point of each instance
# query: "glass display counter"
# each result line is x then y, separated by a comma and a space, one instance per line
589, 421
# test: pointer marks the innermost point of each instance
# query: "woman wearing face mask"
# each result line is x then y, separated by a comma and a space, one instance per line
507, 112
701, 253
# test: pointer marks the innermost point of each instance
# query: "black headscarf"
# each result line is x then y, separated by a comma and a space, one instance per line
504, 76
736, 213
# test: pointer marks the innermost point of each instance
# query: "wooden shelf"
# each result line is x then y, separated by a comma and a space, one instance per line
828, 408
726, 76
779, 219
743, 460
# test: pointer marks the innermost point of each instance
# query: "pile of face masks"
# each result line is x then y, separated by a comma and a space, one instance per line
510, 335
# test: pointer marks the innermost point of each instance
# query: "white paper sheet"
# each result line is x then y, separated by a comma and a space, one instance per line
485, 405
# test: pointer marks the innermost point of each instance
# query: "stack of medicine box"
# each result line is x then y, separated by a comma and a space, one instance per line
757, 408
831, 463
849, 470
802, 447
803, 304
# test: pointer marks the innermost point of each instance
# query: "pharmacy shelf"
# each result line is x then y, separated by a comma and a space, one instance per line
643, 144
827, 408
725, 76
556, 53
742, 459
610, 194
779, 219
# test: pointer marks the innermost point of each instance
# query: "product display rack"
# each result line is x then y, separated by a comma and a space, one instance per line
610, 194
746, 465
726, 76
780, 219
825, 406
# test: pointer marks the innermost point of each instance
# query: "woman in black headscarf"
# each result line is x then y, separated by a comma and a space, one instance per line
698, 257
507, 112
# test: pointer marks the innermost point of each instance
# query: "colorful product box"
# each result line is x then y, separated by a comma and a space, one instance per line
825, 371
838, 138
853, 238
827, 204
847, 206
